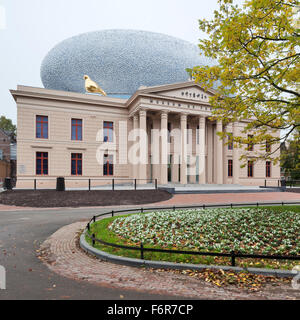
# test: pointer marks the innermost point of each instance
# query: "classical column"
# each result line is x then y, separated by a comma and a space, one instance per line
235, 157
219, 154
210, 155
135, 166
155, 149
143, 147
164, 148
183, 155
201, 150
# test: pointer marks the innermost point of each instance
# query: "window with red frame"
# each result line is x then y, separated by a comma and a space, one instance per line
108, 129
268, 169
229, 168
76, 129
42, 163
76, 164
42, 127
268, 146
250, 168
250, 144
108, 166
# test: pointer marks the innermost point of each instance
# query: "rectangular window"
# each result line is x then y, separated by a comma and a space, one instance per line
197, 135
108, 166
108, 128
42, 127
250, 144
268, 169
250, 168
42, 163
229, 168
76, 164
268, 146
76, 129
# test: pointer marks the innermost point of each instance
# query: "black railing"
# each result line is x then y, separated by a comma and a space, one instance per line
87, 183
273, 183
293, 183
233, 254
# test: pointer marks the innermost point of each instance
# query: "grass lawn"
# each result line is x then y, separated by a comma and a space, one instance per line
267, 230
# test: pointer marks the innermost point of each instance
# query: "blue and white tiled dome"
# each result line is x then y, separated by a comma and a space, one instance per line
120, 61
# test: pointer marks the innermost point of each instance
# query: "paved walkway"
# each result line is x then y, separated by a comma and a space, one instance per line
63, 256
219, 198
192, 199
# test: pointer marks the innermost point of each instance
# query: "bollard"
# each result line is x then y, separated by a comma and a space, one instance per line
93, 239
7, 184
60, 184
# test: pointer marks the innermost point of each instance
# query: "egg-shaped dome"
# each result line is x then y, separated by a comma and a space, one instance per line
120, 61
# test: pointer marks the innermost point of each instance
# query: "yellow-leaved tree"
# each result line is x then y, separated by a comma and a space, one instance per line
256, 74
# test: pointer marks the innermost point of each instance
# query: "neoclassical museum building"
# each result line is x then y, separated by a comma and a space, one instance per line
162, 131
92, 136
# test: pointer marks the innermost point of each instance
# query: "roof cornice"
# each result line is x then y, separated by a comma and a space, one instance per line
66, 96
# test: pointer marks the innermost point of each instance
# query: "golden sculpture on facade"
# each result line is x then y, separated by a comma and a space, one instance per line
92, 86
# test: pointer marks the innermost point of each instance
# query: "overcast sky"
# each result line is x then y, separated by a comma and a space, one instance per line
30, 28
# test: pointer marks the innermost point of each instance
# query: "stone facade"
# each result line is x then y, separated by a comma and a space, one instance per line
180, 144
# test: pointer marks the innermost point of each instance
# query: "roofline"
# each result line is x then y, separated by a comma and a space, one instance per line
34, 92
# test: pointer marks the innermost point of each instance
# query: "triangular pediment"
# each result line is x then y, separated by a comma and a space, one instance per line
187, 90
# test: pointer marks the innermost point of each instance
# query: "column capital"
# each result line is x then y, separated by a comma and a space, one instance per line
143, 112
164, 114
183, 116
202, 120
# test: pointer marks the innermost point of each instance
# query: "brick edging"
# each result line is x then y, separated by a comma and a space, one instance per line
179, 266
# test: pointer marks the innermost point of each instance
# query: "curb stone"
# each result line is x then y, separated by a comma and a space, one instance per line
133, 262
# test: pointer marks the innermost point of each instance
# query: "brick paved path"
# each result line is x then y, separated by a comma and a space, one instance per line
63, 256
231, 198
187, 199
